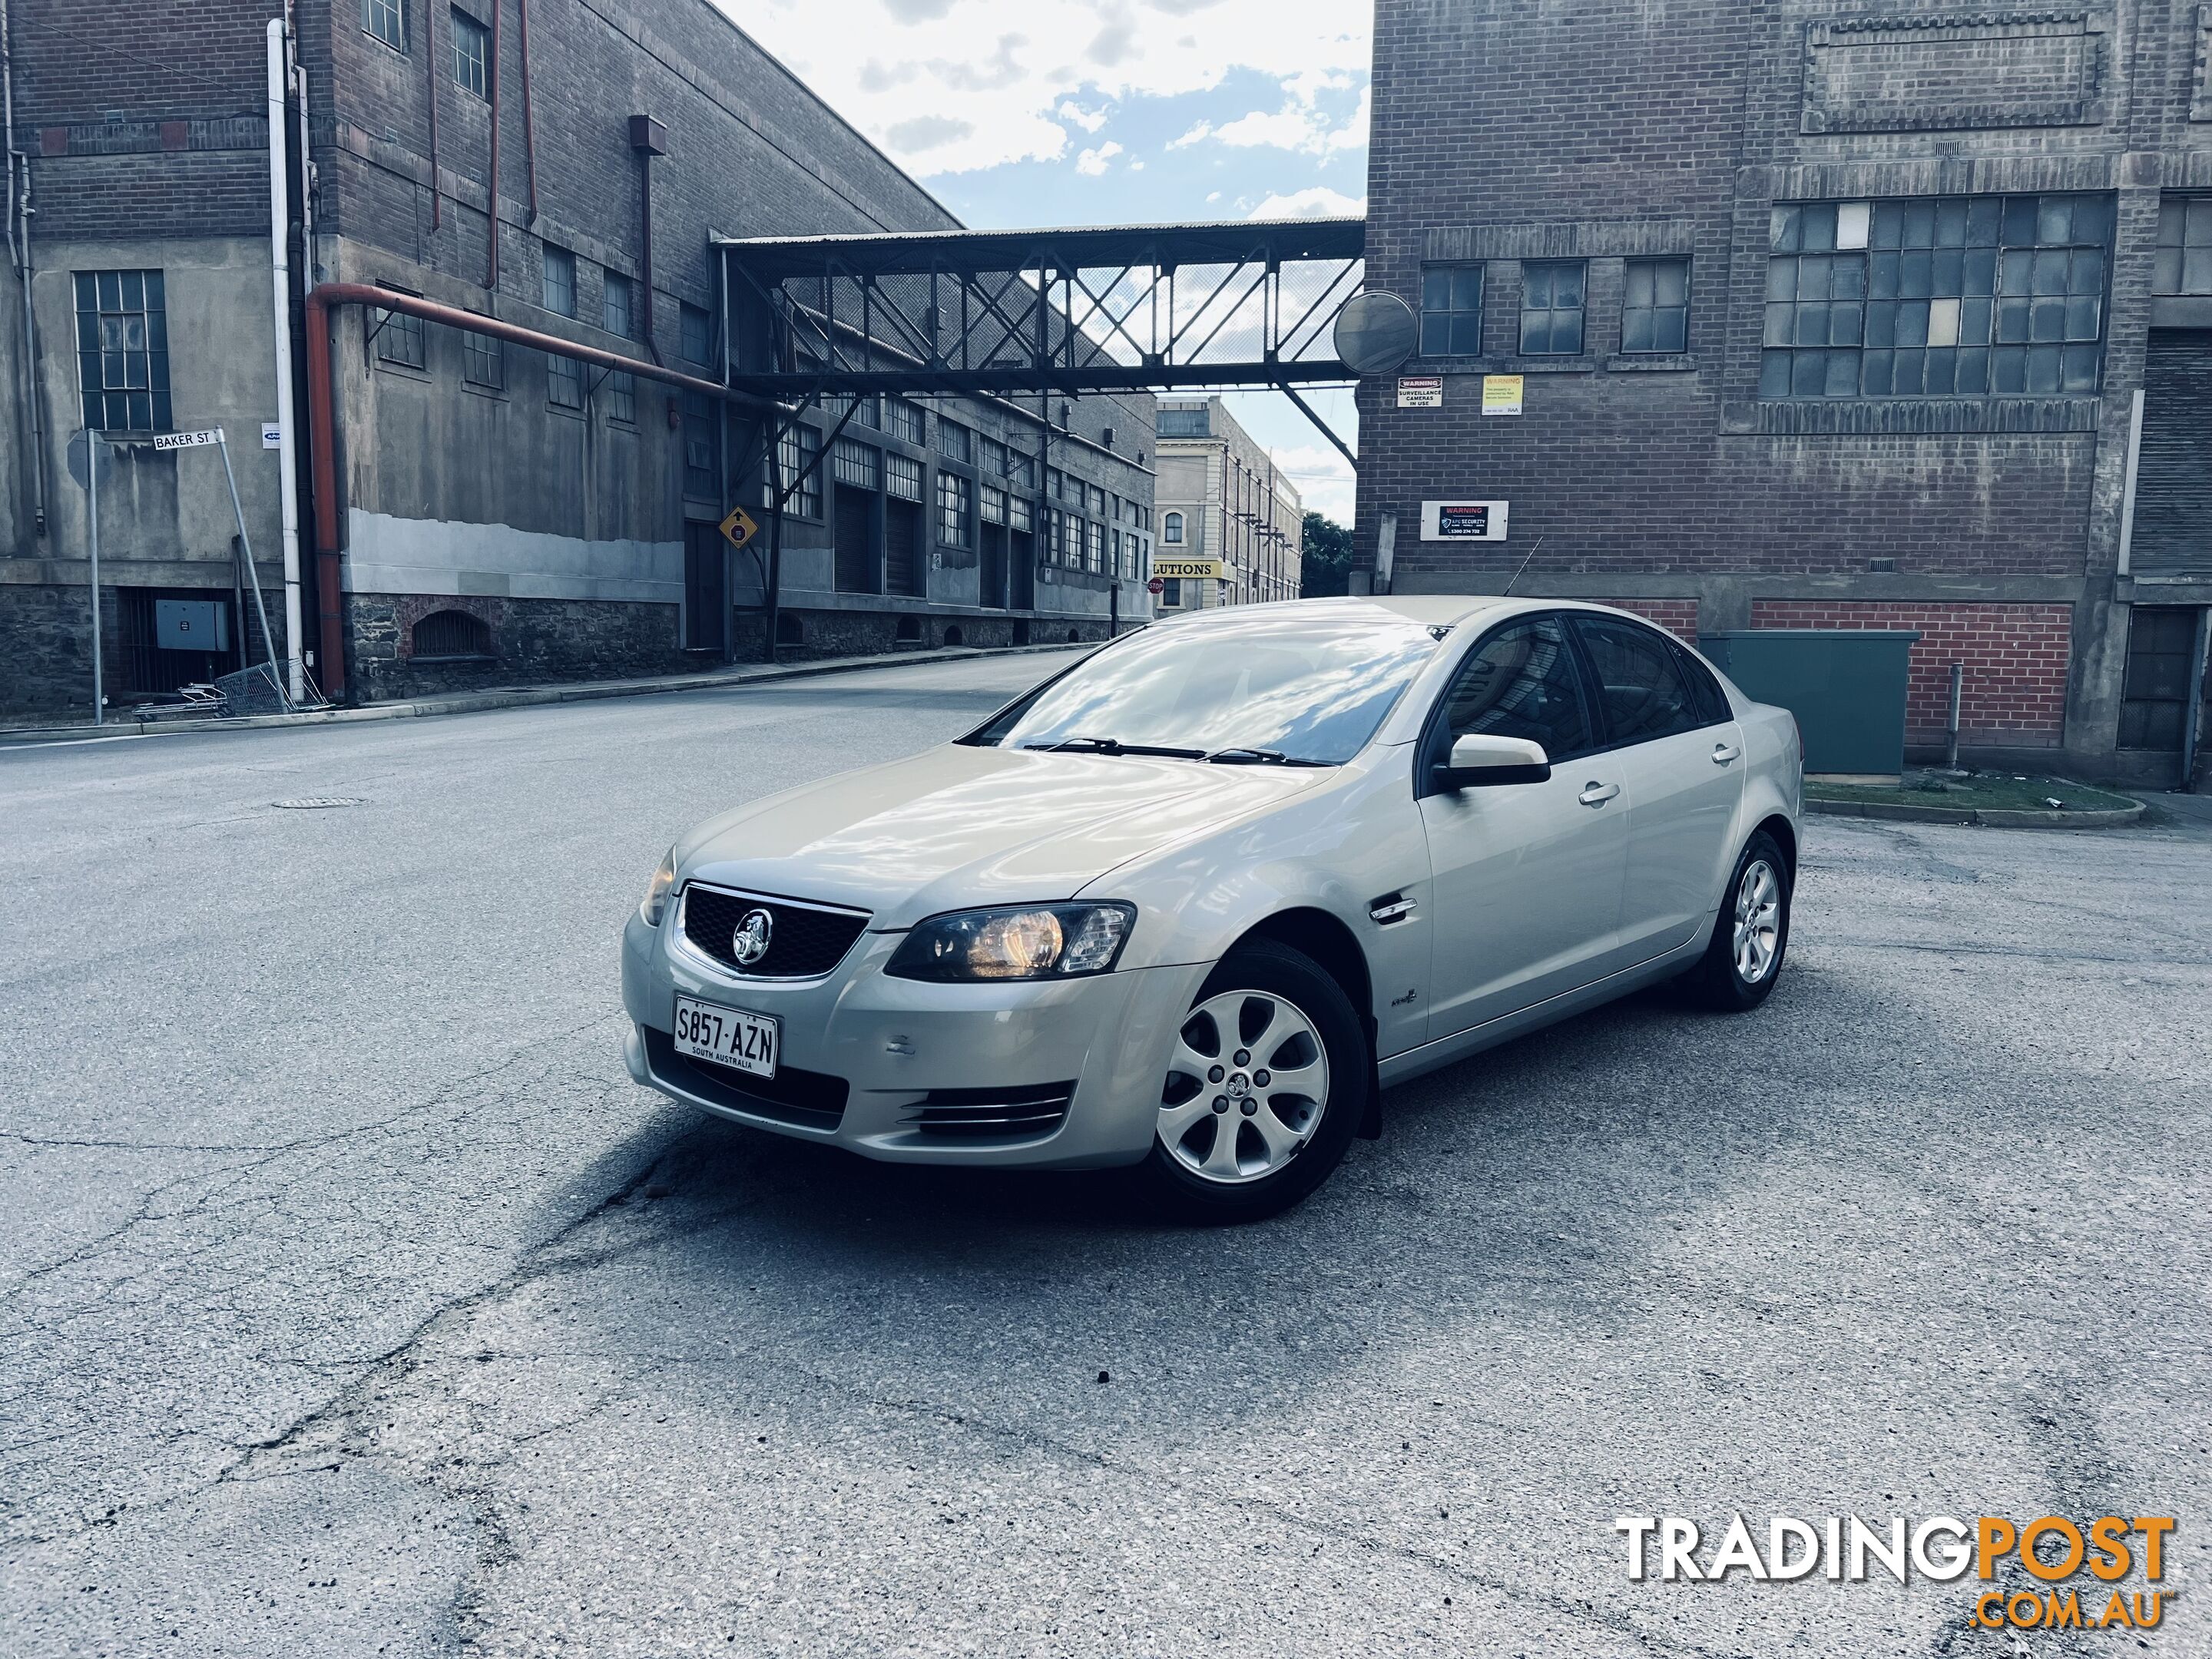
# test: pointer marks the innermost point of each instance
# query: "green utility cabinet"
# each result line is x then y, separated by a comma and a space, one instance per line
1845, 685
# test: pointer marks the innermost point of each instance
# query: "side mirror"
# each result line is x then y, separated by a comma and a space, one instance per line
1480, 761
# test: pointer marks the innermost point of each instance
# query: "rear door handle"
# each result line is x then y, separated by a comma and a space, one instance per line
1725, 752
1596, 794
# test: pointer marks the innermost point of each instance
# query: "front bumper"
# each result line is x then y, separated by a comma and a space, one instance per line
893, 1042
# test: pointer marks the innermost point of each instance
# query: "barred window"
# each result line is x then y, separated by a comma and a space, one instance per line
990, 503
122, 350
700, 422
798, 446
1451, 319
472, 54
399, 337
387, 20
954, 441
902, 420
1552, 309
622, 398
618, 305
955, 509
558, 269
484, 362
858, 465
1937, 296
903, 477
1655, 306
564, 382
2184, 246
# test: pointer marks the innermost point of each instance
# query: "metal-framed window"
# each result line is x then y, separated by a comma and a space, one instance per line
1021, 471
861, 465
1018, 513
1171, 594
484, 362
901, 476
904, 420
564, 382
955, 509
2184, 246
695, 332
472, 54
122, 350
991, 504
1934, 296
700, 447
1551, 307
954, 441
400, 338
1451, 312
797, 448
1098, 502
1655, 306
1185, 422
1095, 552
622, 397
387, 20
618, 305
991, 458
557, 267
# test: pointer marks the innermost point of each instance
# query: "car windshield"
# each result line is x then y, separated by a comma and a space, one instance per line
1303, 689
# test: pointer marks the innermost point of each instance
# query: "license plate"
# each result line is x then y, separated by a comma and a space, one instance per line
727, 1037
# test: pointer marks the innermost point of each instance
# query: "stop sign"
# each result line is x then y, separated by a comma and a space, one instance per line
1156, 585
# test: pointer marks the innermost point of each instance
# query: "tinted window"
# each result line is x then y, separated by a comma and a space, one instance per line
1712, 702
1641, 690
1521, 683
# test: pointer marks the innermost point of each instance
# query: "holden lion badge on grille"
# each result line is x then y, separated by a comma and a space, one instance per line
749, 942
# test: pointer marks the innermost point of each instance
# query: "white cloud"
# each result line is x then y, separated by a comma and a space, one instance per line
1298, 126
1006, 68
1092, 162
1198, 134
1323, 477
1317, 202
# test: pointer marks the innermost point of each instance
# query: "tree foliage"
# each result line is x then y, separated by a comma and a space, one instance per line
1326, 562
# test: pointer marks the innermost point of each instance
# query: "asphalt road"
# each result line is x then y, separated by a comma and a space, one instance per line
353, 1302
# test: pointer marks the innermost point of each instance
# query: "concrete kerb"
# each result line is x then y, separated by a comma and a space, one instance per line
1988, 817
472, 702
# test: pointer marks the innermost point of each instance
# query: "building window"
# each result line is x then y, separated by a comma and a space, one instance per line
564, 382
699, 446
472, 54
622, 398
1171, 529
1552, 309
795, 452
902, 420
860, 465
903, 477
387, 21
559, 268
1021, 471
445, 635
1096, 553
697, 327
2185, 246
954, 441
399, 337
484, 362
1451, 312
122, 350
955, 509
1946, 296
1184, 423
618, 305
1171, 594
991, 504
1655, 306
991, 456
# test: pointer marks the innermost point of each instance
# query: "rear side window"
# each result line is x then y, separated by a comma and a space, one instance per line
1520, 682
1643, 693
1713, 703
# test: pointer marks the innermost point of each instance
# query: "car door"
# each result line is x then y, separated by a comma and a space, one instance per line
1668, 729
1526, 877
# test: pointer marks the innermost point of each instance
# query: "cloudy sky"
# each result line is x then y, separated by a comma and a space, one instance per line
1097, 111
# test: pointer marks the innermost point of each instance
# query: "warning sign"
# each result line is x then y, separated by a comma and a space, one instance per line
1501, 394
1462, 521
739, 526
1421, 391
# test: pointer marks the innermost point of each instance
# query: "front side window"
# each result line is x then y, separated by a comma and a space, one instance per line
122, 350
558, 269
1655, 306
1964, 296
1451, 311
1642, 692
472, 54
618, 305
1521, 681
387, 21
1312, 688
2184, 246
1552, 309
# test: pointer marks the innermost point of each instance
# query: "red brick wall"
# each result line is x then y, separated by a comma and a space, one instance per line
1678, 617
2014, 655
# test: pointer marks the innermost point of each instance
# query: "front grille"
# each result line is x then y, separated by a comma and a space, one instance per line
997, 1114
809, 1100
804, 940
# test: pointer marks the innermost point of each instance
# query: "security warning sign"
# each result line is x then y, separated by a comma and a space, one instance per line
1501, 394
1462, 521
1421, 391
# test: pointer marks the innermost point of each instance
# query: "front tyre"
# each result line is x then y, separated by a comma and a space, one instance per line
1751, 934
1265, 1087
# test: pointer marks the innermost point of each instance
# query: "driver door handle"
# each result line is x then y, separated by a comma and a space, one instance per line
1725, 752
1596, 794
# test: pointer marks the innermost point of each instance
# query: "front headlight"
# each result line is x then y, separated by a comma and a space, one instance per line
656, 891
1040, 941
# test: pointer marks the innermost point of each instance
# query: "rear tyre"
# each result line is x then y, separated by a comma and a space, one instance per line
1751, 934
1267, 1083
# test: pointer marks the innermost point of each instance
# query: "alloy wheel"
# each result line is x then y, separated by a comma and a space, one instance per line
1757, 921
1247, 1086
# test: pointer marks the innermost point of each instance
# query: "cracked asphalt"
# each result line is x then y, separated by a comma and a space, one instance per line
353, 1301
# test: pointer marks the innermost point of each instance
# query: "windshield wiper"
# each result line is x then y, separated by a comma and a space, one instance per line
1114, 746
1259, 757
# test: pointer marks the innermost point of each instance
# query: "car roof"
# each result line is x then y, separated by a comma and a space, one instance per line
1429, 610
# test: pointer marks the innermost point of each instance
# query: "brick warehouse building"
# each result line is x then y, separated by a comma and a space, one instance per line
1892, 315
504, 513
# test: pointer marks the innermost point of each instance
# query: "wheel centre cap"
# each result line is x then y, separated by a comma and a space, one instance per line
1239, 1085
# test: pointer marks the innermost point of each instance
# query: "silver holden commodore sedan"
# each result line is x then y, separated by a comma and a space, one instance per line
1192, 902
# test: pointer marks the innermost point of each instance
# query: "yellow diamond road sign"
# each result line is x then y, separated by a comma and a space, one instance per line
739, 526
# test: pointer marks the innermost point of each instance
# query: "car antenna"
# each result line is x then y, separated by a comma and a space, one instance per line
1518, 574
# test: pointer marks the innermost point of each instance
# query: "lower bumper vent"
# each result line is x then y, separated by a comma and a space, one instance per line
993, 1114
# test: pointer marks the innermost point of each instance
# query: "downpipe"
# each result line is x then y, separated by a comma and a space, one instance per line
280, 263
20, 212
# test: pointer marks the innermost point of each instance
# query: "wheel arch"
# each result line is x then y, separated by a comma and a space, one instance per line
1323, 936
1785, 836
